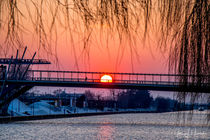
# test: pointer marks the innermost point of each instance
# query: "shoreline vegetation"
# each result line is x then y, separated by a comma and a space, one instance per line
63, 104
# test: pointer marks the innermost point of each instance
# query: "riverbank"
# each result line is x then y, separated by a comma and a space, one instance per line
8, 119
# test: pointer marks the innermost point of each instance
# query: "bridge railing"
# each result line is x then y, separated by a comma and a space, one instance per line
129, 78
98, 81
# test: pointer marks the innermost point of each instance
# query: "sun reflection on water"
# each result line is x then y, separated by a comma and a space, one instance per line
106, 131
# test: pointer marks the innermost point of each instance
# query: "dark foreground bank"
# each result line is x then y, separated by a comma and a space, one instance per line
8, 119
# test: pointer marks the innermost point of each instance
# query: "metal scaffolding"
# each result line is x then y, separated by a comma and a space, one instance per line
15, 69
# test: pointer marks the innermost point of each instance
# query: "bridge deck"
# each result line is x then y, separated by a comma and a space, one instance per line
161, 82
23, 61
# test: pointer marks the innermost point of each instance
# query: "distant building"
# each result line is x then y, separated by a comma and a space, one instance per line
59, 99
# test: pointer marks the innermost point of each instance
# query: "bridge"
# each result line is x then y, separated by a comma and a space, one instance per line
16, 78
158, 82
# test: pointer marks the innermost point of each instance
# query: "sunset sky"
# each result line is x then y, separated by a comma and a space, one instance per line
67, 48
99, 55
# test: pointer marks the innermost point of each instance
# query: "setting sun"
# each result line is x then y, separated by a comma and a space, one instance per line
106, 79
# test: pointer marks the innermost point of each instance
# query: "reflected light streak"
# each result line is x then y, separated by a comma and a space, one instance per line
106, 132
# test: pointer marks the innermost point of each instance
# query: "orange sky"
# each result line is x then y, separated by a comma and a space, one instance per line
100, 55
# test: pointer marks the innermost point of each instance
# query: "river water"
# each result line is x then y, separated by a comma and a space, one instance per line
107, 127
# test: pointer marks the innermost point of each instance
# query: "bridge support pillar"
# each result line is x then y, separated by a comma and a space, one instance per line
3, 110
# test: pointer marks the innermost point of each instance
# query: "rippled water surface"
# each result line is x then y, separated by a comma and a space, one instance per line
121, 127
